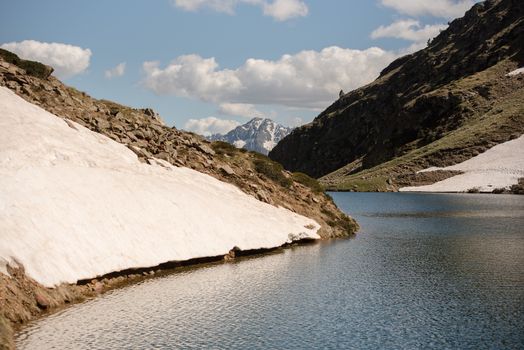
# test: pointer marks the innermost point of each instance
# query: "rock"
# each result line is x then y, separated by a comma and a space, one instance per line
102, 124
41, 301
262, 196
70, 124
206, 149
233, 253
98, 287
226, 169
149, 112
140, 152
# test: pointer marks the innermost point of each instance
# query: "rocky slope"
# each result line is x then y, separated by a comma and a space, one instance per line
258, 135
436, 107
143, 132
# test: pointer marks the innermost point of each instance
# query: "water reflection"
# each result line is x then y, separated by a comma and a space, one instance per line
407, 281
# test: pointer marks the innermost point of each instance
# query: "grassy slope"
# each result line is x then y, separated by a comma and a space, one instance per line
504, 120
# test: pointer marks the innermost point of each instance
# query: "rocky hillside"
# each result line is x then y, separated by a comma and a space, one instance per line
436, 107
258, 135
143, 132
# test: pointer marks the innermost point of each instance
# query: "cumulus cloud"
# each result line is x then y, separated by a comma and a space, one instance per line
436, 8
67, 60
245, 110
117, 71
210, 125
408, 29
280, 10
308, 79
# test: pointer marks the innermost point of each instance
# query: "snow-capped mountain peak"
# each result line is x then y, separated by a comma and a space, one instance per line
258, 134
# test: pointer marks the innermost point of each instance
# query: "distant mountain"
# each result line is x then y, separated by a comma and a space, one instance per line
259, 135
440, 106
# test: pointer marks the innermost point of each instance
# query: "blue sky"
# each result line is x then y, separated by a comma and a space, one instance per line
207, 65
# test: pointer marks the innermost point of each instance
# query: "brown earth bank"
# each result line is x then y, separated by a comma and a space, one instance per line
437, 107
144, 132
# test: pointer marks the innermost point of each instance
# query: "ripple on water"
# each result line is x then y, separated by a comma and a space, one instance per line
407, 281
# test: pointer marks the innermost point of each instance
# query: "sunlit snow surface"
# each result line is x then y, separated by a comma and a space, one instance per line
75, 204
499, 167
515, 72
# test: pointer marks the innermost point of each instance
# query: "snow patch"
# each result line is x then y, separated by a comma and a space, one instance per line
76, 205
515, 72
499, 167
269, 144
239, 143
3, 266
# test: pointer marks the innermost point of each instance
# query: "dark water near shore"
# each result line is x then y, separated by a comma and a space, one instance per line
426, 271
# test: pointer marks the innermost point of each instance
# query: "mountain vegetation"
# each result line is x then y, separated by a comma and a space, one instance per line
436, 107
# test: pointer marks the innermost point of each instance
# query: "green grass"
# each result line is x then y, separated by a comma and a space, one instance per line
307, 181
372, 184
506, 114
224, 148
271, 169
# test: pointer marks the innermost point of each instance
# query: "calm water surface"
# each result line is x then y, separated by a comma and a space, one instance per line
426, 271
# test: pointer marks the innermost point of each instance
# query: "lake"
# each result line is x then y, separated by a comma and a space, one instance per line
432, 271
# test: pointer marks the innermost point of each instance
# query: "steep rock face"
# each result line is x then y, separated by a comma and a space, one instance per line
258, 135
458, 81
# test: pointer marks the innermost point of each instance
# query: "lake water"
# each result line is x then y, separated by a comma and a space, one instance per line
426, 271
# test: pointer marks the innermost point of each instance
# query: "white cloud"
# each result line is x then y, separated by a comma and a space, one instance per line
308, 79
67, 60
117, 71
408, 29
280, 10
437, 8
210, 125
245, 110
227, 6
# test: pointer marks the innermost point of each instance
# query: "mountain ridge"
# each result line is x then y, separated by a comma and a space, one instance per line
436, 107
258, 135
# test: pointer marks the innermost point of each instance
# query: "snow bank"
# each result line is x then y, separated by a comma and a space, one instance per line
75, 204
498, 167
515, 72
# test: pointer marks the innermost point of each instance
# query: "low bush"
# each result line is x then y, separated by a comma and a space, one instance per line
270, 169
221, 148
307, 181
33, 68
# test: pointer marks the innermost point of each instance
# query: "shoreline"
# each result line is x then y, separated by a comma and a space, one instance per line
425, 192
48, 301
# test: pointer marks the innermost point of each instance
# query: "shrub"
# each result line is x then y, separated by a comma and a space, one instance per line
307, 181
33, 68
221, 147
270, 169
